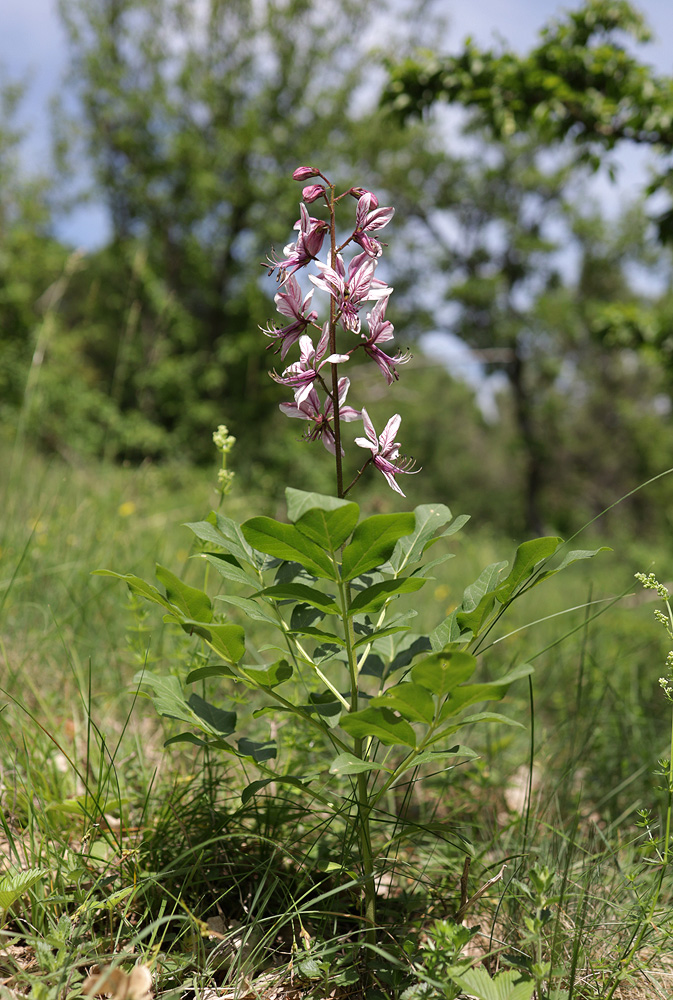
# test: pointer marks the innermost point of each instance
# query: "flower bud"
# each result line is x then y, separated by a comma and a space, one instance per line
304, 173
312, 193
358, 192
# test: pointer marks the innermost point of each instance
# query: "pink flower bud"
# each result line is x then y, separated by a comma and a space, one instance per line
304, 173
358, 192
312, 193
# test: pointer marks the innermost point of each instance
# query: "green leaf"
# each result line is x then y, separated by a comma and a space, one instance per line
412, 701
247, 750
373, 542
472, 720
373, 598
218, 721
196, 741
379, 633
397, 651
317, 633
300, 592
408, 550
232, 537
446, 632
256, 786
14, 884
506, 985
460, 697
256, 612
207, 532
259, 752
436, 756
571, 557
444, 557
326, 520
193, 603
268, 676
381, 723
211, 670
528, 555
472, 621
285, 541
302, 615
167, 695
484, 584
228, 568
138, 586
442, 672
323, 703
347, 763
227, 640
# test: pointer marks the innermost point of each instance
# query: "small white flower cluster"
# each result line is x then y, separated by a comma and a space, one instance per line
224, 442
666, 683
650, 582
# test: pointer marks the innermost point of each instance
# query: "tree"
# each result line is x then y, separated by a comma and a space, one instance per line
572, 98
32, 261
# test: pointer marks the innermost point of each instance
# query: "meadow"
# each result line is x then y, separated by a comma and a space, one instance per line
408, 736
136, 855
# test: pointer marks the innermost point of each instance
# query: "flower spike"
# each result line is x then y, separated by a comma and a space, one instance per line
320, 394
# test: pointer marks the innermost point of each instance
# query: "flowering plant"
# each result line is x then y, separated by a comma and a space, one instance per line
378, 699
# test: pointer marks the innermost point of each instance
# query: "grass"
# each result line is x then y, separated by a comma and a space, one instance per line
147, 856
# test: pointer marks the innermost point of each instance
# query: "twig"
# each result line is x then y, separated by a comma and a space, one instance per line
465, 903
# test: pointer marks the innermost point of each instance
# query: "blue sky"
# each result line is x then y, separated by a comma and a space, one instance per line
32, 46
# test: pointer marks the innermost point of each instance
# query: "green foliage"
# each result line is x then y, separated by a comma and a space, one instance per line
553, 340
504, 986
185, 840
14, 884
339, 681
579, 82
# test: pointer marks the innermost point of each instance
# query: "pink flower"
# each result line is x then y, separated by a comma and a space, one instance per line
321, 417
289, 303
380, 331
307, 247
385, 450
350, 293
369, 218
302, 374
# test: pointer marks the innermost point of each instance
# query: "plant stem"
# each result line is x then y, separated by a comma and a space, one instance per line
626, 961
332, 347
364, 804
356, 478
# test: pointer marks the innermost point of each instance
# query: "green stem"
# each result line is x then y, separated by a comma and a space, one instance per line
628, 958
364, 804
356, 478
669, 804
